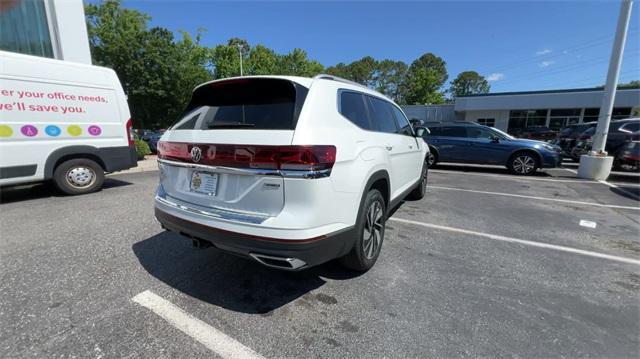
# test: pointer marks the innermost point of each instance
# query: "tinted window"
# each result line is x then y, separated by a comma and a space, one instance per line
434, 130
382, 115
265, 104
479, 132
404, 127
453, 131
631, 127
353, 108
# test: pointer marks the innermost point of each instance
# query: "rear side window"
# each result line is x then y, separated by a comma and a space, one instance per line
453, 131
352, 107
382, 115
434, 130
404, 127
261, 104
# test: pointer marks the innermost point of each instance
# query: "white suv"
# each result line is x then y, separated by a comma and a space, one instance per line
289, 171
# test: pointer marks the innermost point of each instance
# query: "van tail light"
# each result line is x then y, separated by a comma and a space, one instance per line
286, 158
130, 133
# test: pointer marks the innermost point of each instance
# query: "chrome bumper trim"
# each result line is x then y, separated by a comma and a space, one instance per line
251, 171
214, 213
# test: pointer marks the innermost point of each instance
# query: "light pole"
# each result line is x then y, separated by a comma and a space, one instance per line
240, 52
597, 165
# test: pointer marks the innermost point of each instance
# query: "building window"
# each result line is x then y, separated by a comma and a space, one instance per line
619, 113
560, 118
590, 114
521, 119
24, 28
491, 122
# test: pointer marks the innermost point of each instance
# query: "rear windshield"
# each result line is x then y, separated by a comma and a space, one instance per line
259, 104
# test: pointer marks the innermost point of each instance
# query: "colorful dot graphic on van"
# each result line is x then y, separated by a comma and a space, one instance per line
29, 130
53, 131
94, 130
5, 131
74, 130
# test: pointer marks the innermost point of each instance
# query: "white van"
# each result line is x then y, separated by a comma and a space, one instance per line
61, 121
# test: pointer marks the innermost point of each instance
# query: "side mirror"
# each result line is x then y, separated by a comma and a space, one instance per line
421, 131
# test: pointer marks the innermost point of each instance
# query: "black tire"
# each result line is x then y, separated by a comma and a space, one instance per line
419, 192
78, 176
362, 257
523, 163
432, 157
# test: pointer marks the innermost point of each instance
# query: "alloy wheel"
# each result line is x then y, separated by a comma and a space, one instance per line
373, 230
524, 164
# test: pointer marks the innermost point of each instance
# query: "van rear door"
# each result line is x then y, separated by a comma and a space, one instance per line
221, 154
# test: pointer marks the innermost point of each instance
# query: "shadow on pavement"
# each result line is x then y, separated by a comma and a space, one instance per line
225, 280
44, 190
627, 192
482, 169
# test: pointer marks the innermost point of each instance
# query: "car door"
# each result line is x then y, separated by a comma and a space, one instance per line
452, 144
485, 146
413, 145
399, 154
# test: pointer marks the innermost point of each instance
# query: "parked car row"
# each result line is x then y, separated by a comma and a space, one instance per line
621, 133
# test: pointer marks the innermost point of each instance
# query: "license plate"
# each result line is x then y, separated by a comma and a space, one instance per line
204, 182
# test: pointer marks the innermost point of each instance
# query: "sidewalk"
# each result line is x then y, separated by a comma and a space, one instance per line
150, 163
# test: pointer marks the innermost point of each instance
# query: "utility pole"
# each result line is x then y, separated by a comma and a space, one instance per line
597, 165
240, 51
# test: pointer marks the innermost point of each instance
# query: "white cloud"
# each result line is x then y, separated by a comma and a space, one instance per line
495, 76
544, 52
546, 63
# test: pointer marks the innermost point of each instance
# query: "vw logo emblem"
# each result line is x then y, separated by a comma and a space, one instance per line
196, 154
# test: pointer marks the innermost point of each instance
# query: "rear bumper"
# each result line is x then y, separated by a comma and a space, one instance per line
118, 158
310, 252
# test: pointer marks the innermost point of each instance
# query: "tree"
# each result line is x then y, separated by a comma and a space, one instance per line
469, 83
425, 77
156, 72
296, 63
262, 61
389, 79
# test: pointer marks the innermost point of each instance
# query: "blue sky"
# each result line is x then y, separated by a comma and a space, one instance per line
518, 45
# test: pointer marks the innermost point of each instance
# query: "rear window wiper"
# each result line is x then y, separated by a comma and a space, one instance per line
231, 125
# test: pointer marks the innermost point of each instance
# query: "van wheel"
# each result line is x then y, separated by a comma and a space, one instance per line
370, 231
419, 192
523, 163
78, 176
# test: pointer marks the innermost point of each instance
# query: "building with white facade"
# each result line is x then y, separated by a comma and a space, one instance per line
512, 111
48, 28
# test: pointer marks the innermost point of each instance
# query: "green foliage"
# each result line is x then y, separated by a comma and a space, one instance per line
156, 71
425, 78
386, 76
469, 83
142, 148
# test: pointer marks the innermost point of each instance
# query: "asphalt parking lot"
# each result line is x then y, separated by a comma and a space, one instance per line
488, 264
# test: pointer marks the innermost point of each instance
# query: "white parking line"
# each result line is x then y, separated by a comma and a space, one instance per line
215, 340
536, 198
519, 241
516, 178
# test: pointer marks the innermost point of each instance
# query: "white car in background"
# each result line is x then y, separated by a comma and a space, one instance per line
289, 171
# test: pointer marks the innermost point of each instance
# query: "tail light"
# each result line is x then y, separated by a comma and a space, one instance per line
130, 132
289, 158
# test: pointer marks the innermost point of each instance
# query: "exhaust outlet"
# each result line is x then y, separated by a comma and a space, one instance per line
278, 262
200, 243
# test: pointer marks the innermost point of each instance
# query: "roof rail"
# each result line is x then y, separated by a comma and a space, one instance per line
336, 78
